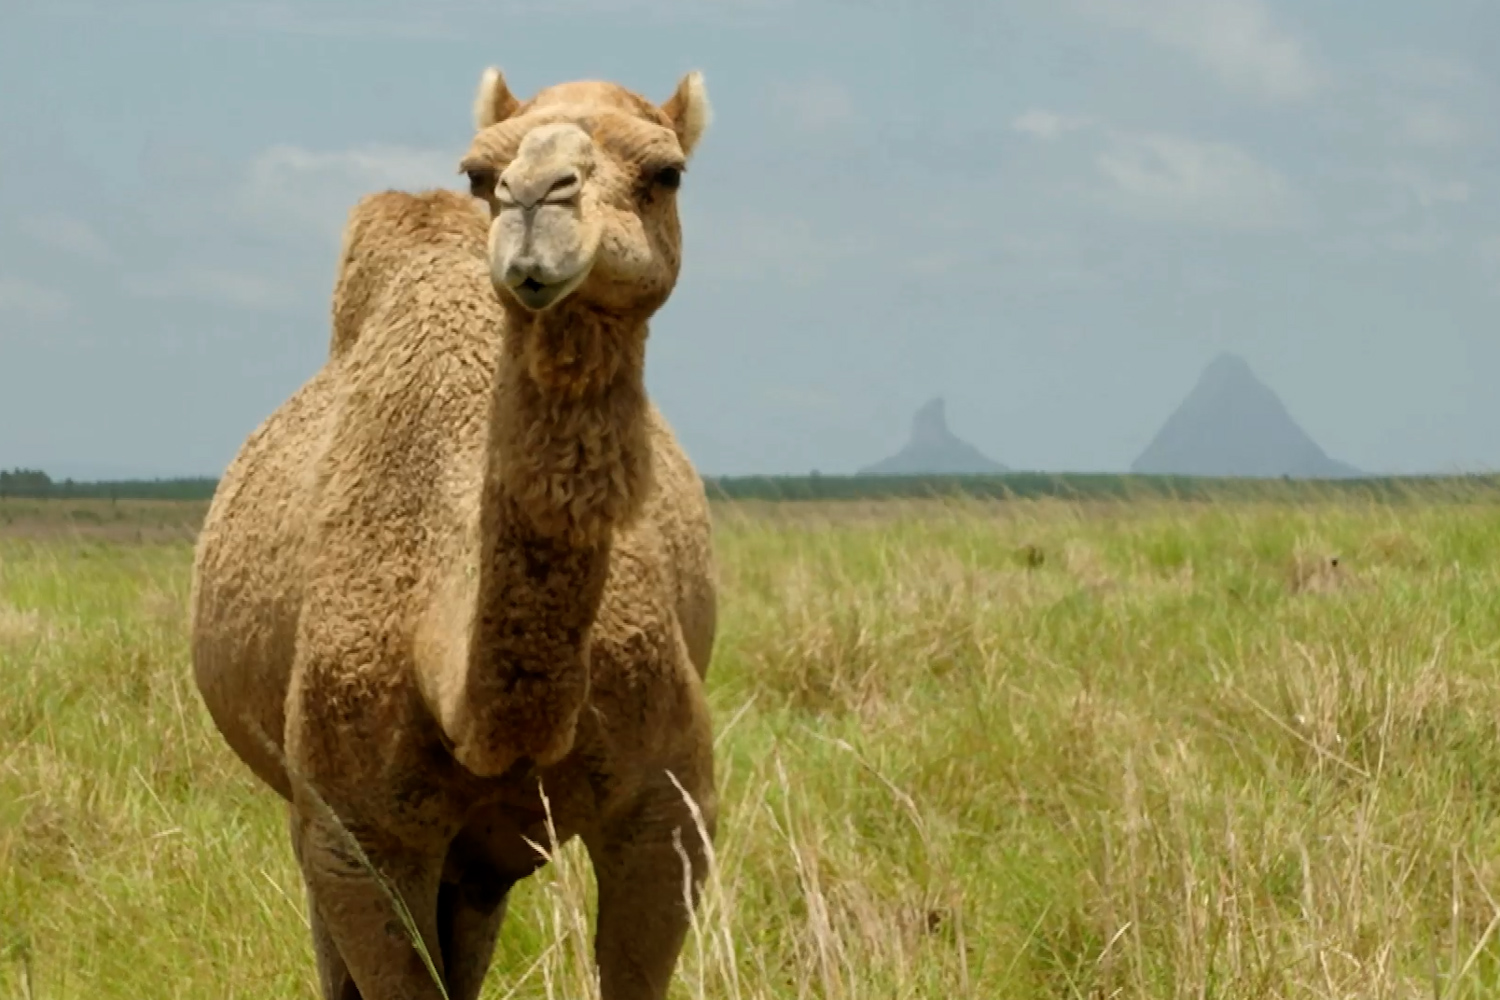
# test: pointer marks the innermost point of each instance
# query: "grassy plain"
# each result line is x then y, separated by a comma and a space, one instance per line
991, 750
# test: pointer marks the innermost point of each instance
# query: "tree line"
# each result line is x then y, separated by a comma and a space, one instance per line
36, 484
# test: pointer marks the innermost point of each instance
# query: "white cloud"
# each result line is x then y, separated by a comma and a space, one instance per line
73, 236
814, 105
206, 284
1172, 178
1429, 191
1048, 125
1176, 179
293, 19
1050, 261
804, 398
1429, 70
1431, 124
28, 299
1423, 241
1238, 41
1487, 250
752, 246
1403, 209
371, 19
291, 187
446, 20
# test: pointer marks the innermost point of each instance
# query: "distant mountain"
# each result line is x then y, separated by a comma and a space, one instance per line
1231, 424
934, 450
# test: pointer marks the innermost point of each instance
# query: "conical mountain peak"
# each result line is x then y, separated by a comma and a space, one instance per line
1229, 366
1232, 424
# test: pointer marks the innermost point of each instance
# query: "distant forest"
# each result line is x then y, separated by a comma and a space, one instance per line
36, 484
1103, 486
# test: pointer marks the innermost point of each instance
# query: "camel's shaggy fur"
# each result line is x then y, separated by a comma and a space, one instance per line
467, 564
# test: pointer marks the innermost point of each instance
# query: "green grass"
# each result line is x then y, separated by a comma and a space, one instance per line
1030, 749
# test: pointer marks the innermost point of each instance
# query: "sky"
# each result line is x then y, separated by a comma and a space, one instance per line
1053, 213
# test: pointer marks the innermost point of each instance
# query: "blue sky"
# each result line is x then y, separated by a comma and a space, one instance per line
1054, 214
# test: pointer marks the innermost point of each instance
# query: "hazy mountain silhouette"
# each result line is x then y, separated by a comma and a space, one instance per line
934, 450
1232, 424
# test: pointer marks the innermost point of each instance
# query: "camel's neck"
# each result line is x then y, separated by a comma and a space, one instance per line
569, 463
569, 444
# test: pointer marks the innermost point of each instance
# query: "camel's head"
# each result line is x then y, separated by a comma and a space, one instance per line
581, 181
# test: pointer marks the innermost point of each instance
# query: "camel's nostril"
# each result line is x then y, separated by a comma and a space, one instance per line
530, 191
564, 186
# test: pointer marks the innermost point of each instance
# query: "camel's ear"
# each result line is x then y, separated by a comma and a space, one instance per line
494, 102
689, 111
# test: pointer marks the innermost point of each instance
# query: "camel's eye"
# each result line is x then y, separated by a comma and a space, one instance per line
482, 182
669, 178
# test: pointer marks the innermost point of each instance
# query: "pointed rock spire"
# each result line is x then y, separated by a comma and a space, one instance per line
934, 450
1232, 424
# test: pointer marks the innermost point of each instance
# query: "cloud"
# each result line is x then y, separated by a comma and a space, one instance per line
278, 225
1428, 191
1424, 241
448, 20
1238, 41
333, 22
1176, 179
1173, 178
1431, 124
30, 300
1049, 260
337, 20
219, 286
755, 246
72, 236
1487, 250
814, 105
1048, 125
1403, 209
291, 188
1429, 71
804, 398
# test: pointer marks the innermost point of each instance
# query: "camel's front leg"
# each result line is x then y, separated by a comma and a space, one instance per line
333, 975
468, 928
356, 915
643, 913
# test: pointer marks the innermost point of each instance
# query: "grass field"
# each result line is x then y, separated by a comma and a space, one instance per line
1031, 749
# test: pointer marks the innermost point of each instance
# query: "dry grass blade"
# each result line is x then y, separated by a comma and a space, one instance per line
330, 817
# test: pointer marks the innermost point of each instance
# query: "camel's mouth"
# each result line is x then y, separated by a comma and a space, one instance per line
538, 295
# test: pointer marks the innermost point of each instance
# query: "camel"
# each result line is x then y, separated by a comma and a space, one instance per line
459, 586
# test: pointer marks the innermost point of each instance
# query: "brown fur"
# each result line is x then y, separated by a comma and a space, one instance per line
465, 565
